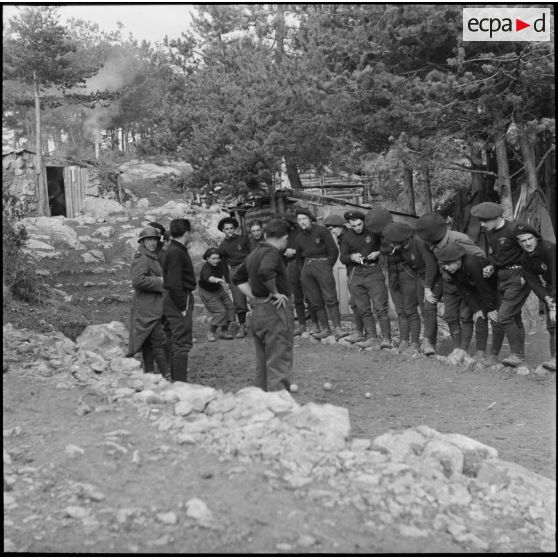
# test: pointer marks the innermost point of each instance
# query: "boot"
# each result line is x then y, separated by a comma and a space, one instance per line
413, 348
356, 337
403, 346
370, 343
550, 364
385, 344
211, 333
233, 329
299, 330
513, 360
335, 316
225, 333
323, 330
180, 368
322, 334
427, 348
339, 333
162, 362
486, 359
241, 331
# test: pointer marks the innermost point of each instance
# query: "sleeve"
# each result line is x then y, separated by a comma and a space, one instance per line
241, 274
331, 246
345, 251
141, 277
532, 278
173, 280
432, 271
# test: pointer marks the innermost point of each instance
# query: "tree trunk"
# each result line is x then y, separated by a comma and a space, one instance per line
280, 33
477, 181
42, 190
292, 173
504, 182
408, 181
427, 187
550, 179
527, 140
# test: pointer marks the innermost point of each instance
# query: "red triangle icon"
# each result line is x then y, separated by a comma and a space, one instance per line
519, 25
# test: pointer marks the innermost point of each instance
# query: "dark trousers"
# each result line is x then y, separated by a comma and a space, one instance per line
318, 285
429, 311
357, 318
512, 295
406, 301
239, 299
219, 305
293, 276
182, 336
153, 351
367, 284
272, 329
458, 315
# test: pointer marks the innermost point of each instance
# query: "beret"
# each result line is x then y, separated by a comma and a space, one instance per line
431, 227
334, 220
304, 211
397, 232
210, 251
376, 219
487, 210
525, 228
149, 232
226, 220
451, 253
354, 215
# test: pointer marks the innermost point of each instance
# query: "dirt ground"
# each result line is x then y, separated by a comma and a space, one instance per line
515, 414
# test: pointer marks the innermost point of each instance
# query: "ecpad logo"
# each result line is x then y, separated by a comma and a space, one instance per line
506, 24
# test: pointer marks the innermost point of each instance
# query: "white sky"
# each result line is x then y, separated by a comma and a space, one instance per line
144, 20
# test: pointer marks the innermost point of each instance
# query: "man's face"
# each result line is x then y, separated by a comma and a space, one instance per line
528, 242
452, 267
151, 243
228, 229
256, 231
303, 221
490, 224
214, 260
357, 225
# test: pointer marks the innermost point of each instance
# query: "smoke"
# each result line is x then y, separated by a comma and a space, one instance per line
120, 70
98, 119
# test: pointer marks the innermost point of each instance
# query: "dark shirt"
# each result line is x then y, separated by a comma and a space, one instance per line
416, 255
178, 274
317, 242
208, 271
252, 242
263, 264
479, 292
235, 249
353, 243
541, 264
503, 249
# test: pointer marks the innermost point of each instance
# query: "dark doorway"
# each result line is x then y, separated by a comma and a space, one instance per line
56, 193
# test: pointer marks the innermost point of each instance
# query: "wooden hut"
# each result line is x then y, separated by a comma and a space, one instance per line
67, 182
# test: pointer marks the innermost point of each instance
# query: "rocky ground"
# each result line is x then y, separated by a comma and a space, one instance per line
101, 458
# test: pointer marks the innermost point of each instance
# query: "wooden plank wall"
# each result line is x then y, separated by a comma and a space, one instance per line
75, 185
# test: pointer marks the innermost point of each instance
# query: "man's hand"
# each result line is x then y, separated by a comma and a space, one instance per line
373, 255
184, 313
279, 300
493, 316
478, 315
290, 252
429, 297
487, 271
357, 257
552, 315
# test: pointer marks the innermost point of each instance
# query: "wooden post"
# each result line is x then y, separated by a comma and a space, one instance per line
42, 188
504, 182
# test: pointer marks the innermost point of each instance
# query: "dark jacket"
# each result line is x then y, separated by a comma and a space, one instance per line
235, 249
541, 264
208, 271
178, 274
317, 242
147, 303
353, 243
503, 249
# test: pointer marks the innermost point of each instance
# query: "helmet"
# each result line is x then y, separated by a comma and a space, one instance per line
149, 232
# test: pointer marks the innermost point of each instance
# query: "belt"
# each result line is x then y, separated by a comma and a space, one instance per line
366, 264
310, 260
511, 267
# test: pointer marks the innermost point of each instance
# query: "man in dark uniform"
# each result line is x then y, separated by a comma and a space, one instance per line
234, 248
434, 230
317, 252
360, 251
504, 255
263, 278
478, 292
179, 281
538, 263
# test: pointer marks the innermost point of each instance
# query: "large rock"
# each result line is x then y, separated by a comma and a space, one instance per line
110, 340
256, 400
330, 423
53, 231
172, 210
447, 455
140, 170
101, 207
196, 396
400, 444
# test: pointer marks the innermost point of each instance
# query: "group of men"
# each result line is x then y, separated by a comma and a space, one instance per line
424, 265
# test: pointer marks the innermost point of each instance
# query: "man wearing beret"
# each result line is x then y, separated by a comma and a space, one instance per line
263, 278
409, 295
316, 252
538, 263
478, 292
234, 249
179, 281
504, 255
434, 230
360, 252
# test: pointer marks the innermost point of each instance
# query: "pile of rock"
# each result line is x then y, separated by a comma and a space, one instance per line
419, 480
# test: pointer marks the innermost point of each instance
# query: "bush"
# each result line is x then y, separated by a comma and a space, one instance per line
17, 270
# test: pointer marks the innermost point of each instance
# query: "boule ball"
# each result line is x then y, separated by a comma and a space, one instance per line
368, 395
327, 386
293, 388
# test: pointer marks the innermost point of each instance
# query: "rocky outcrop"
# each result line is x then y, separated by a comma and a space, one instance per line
100, 207
141, 170
420, 481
